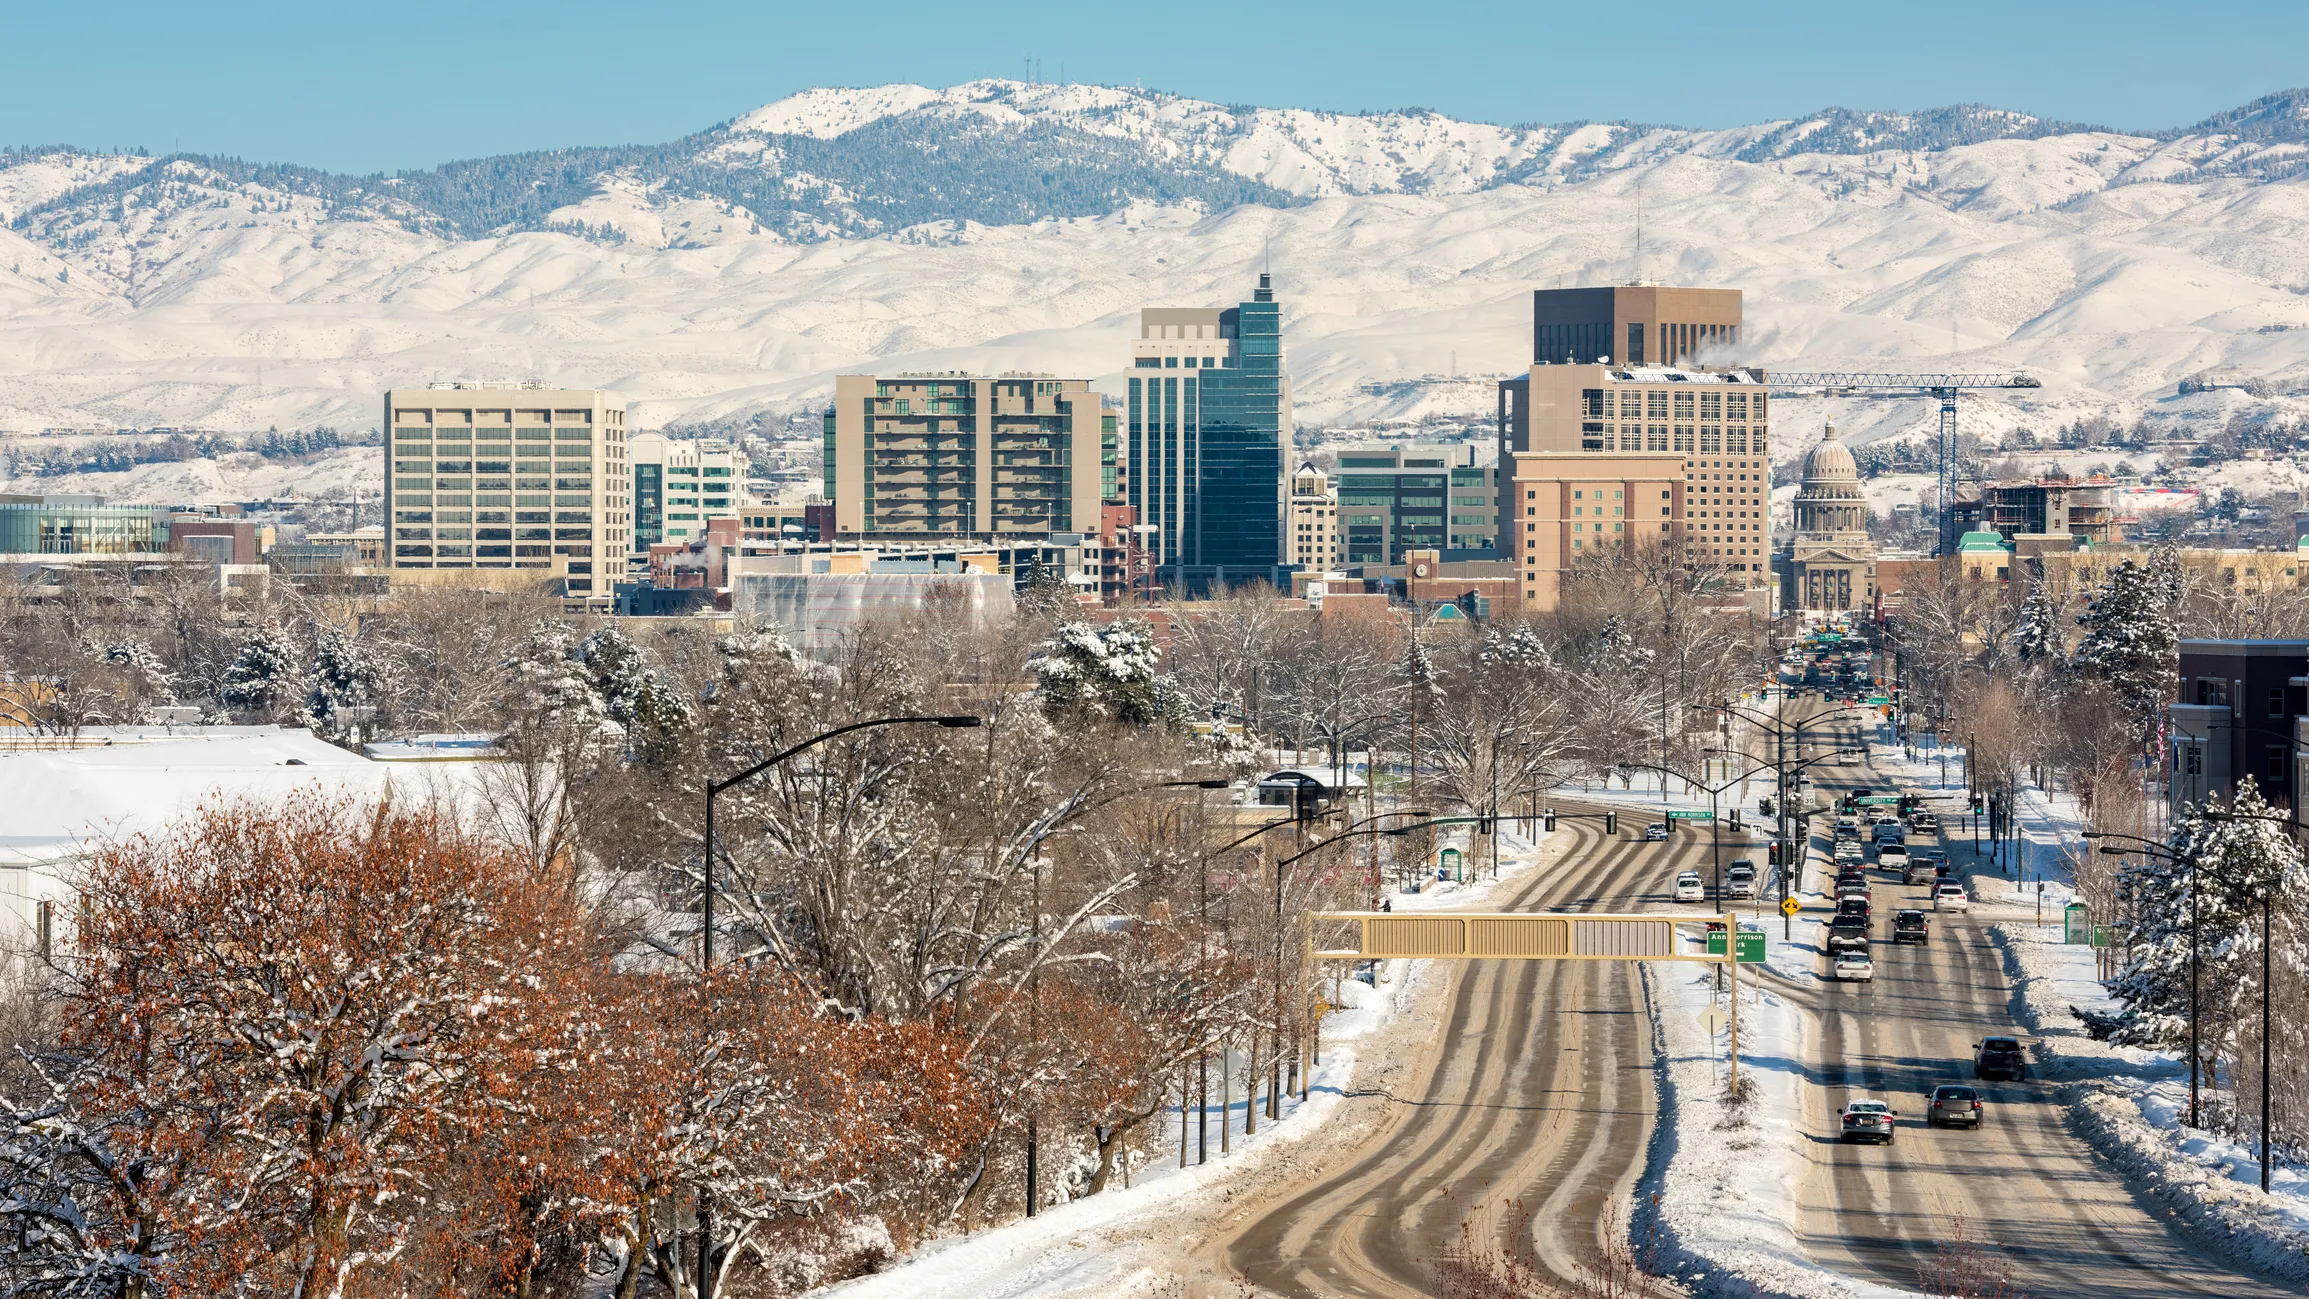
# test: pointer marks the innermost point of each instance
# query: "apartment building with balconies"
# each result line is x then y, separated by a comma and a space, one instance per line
954, 456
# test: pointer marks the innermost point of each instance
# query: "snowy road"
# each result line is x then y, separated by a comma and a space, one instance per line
1877, 1213
1539, 1091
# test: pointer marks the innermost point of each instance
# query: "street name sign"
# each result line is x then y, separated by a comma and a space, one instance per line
1691, 816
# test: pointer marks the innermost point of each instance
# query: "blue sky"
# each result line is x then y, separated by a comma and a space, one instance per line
358, 86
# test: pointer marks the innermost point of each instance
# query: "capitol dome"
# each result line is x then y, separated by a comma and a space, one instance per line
1830, 464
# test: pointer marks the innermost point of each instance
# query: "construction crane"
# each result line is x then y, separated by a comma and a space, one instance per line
1863, 383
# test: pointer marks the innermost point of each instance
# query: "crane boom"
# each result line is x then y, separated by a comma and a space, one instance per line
1922, 383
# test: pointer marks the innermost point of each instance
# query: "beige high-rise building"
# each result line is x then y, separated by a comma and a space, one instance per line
1311, 535
1632, 324
955, 456
1571, 508
1716, 422
488, 475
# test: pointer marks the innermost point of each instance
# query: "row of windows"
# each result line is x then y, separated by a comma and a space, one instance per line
1172, 363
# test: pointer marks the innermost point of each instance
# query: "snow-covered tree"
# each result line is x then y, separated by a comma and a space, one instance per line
1111, 672
264, 676
2213, 888
2037, 637
2130, 641
344, 675
631, 692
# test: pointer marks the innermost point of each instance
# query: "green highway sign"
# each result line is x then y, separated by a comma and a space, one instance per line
1879, 700
1691, 816
1885, 800
1751, 947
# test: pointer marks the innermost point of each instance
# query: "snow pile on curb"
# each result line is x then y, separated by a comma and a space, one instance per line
1719, 1192
2125, 1102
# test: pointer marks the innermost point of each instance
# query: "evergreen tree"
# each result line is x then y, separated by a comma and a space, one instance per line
263, 676
632, 694
1104, 672
2037, 639
344, 675
2131, 643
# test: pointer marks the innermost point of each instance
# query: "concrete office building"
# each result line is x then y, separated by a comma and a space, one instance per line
926, 457
1207, 416
1632, 324
488, 475
681, 484
1713, 423
1311, 539
1397, 499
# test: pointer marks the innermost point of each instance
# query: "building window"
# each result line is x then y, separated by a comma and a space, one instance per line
2275, 755
2193, 763
2277, 701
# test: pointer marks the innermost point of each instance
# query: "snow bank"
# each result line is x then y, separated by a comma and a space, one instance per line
2130, 1104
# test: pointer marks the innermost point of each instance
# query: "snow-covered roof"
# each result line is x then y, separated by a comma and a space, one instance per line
61, 799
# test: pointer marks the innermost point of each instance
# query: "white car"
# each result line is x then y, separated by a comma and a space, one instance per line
1689, 888
1854, 967
1948, 895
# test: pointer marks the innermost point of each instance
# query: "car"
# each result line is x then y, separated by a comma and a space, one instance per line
1851, 873
1689, 888
1892, 856
1854, 967
1765, 806
1923, 822
1999, 1057
1855, 906
1868, 1120
1863, 791
1955, 1107
1884, 832
1847, 934
1656, 832
1847, 821
1740, 879
1911, 926
1923, 868
1848, 850
1948, 895
1847, 834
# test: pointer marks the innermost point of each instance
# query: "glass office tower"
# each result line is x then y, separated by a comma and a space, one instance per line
1208, 413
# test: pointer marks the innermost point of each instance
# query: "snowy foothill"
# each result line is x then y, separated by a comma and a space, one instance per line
1087, 1246
2129, 1103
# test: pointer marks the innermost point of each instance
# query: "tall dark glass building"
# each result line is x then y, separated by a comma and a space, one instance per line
1207, 417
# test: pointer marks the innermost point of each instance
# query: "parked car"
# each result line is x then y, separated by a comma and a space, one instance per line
1954, 1106
1656, 832
1948, 895
1854, 967
1999, 1057
1911, 926
1868, 1120
1689, 888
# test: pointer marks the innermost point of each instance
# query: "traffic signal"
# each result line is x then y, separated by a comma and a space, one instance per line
1976, 804
1483, 825
1549, 821
1772, 853
1611, 823
1736, 819
1305, 799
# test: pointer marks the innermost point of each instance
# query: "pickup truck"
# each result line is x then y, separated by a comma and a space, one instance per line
1892, 856
1848, 934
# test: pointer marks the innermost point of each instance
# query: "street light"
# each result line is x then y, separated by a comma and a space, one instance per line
714, 790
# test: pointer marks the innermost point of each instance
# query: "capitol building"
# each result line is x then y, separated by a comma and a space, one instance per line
1830, 564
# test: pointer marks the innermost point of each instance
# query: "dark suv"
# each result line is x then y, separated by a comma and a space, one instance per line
1999, 1057
1848, 934
1910, 927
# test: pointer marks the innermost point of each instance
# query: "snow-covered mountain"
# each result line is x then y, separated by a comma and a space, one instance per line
1001, 225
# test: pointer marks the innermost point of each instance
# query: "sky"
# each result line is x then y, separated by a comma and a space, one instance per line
357, 86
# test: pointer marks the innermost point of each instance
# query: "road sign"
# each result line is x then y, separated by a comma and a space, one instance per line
1878, 799
1691, 816
1715, 938
2104, 936
1712, 1019
1751, 947
1879, 700
2076, 923
1790, 906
